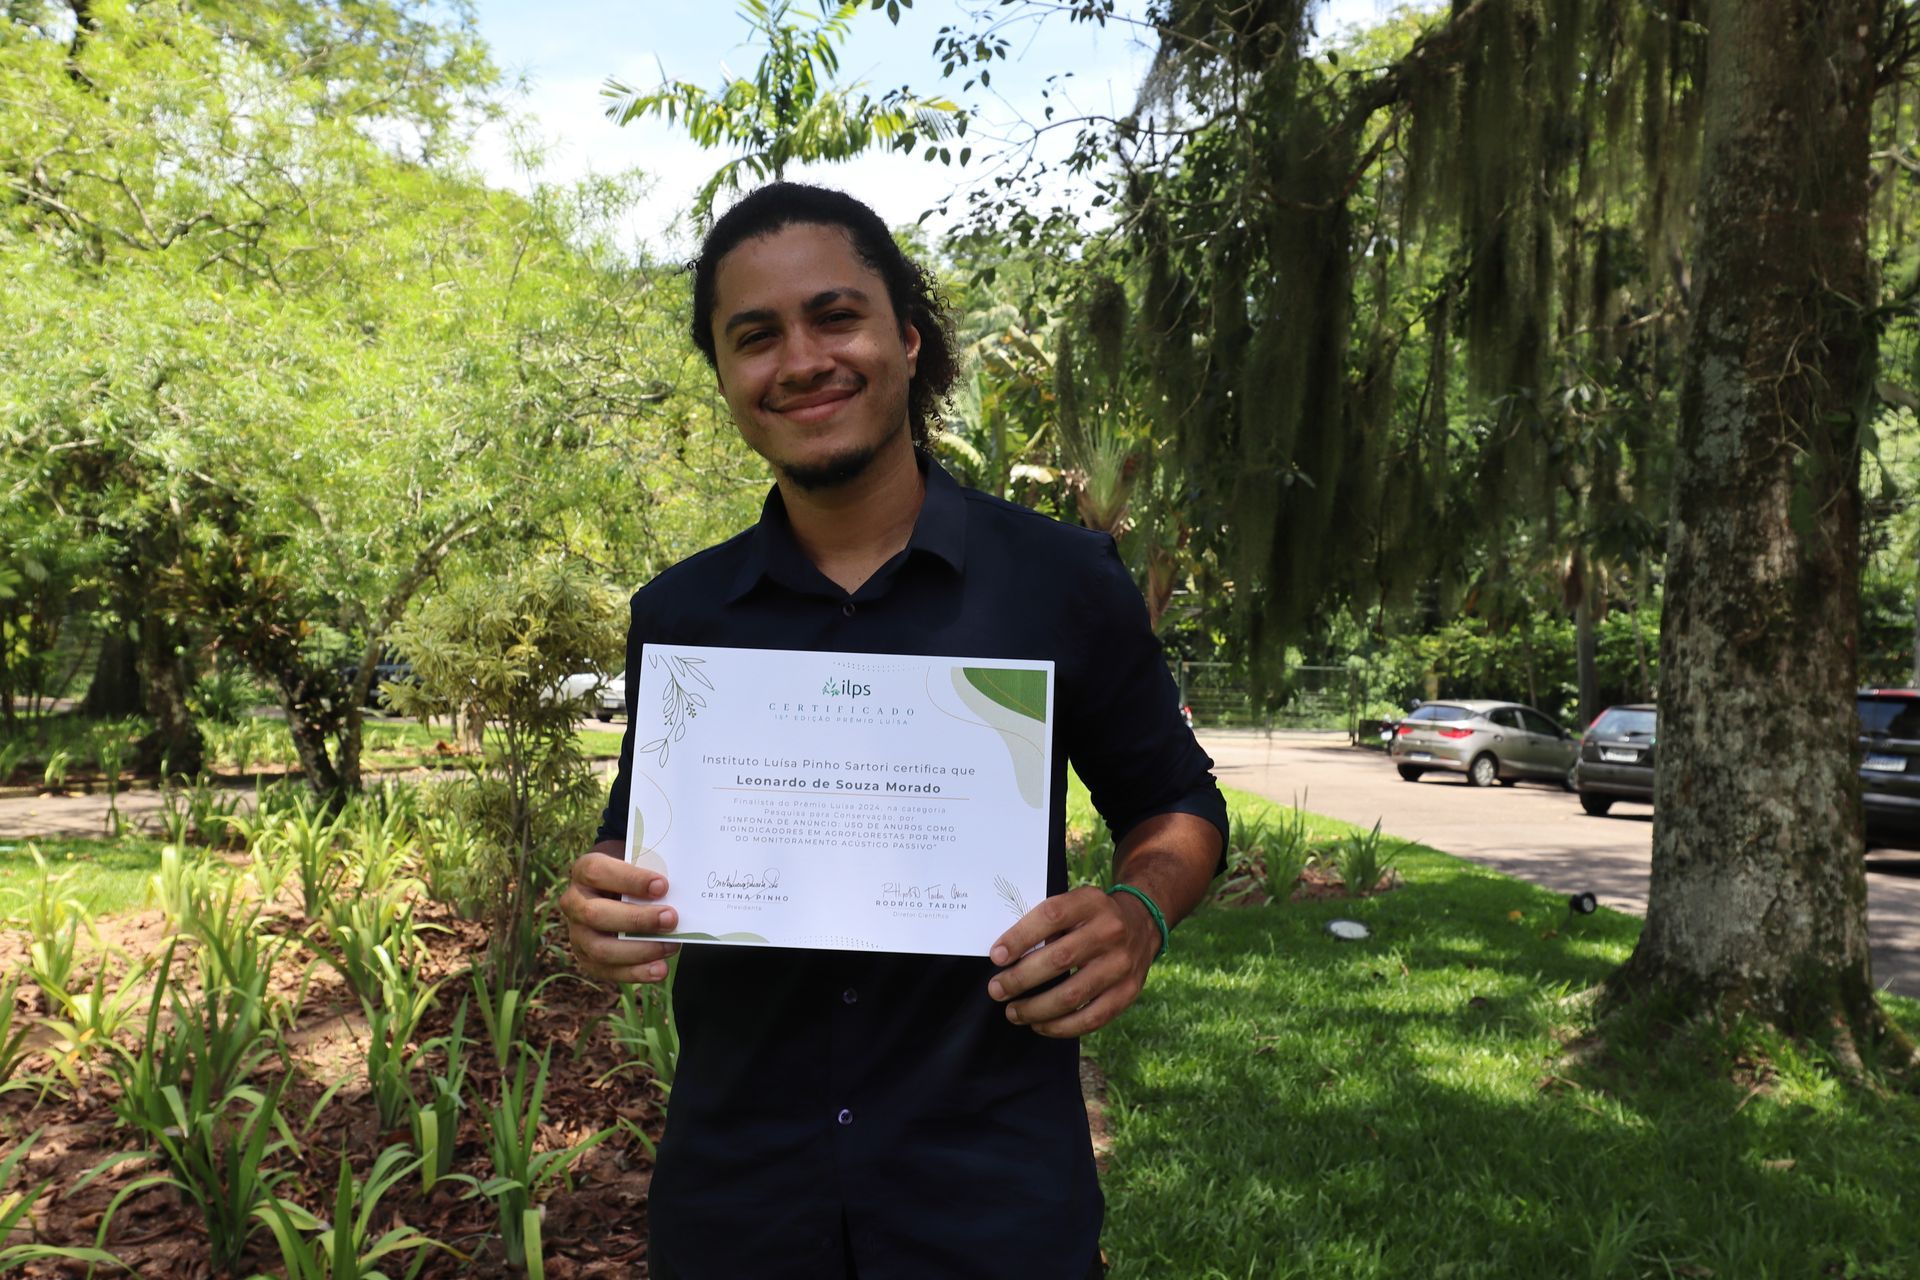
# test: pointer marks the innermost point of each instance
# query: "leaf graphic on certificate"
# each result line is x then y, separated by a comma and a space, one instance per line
1014, 705
679, 701
1010, 894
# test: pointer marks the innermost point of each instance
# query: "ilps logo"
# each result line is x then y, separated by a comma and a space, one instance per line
841, 687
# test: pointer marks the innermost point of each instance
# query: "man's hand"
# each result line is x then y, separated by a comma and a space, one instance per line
596, 917
1105, 941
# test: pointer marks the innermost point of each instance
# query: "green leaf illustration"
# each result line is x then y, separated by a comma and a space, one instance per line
1021, 692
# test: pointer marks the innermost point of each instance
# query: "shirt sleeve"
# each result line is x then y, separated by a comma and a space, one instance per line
1125, 735
613, 819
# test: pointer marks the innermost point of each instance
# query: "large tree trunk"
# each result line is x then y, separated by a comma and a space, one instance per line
173, 747
115, 689
1758, 902
1586, 646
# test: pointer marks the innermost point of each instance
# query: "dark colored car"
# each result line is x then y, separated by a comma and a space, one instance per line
1616, 759
1890, 766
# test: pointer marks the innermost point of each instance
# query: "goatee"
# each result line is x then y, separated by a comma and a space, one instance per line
834, 472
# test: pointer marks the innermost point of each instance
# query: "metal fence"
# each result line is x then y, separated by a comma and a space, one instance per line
1315, 697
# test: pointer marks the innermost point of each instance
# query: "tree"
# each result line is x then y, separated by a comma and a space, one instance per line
1758, 900
791, 112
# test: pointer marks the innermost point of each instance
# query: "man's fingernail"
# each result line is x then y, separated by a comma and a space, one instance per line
995, 990
1013, 1015
998, 955
656, 970
658, 888
669, 918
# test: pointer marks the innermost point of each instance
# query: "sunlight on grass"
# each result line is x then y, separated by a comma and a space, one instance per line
1284, 1104
106, 876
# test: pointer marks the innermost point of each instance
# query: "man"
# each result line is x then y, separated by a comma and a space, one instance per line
842, 1113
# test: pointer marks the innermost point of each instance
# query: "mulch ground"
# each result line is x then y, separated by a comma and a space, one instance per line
596, 1227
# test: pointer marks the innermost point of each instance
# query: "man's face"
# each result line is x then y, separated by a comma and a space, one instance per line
810, 357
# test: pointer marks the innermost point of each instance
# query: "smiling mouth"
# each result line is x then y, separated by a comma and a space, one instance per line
816, 407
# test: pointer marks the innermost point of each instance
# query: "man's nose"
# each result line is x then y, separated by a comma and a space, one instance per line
804, 358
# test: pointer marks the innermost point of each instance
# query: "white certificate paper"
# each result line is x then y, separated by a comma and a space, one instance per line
842, 801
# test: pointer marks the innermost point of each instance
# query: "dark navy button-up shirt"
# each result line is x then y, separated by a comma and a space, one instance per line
833, 1101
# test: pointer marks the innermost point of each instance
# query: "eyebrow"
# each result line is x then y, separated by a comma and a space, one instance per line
817, 302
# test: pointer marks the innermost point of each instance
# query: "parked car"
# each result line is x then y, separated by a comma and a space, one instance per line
1616, 758
613, 697
582, 687
1487, 741
1890, 766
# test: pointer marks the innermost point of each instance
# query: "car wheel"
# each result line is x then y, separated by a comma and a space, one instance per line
1596, 805
1408, 773
1484, 771
1567, 783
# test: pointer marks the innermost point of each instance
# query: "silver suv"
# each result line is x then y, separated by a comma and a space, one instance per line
1490, 742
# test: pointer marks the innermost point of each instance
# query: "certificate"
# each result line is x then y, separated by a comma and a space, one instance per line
843, 801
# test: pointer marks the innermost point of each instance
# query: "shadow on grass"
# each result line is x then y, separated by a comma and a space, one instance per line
1285, 1104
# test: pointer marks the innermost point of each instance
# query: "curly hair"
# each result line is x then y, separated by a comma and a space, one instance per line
910, 288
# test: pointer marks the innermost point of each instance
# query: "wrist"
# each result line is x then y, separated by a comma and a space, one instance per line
1156, 928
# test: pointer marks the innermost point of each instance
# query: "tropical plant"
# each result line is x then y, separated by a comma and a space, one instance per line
344, 1247
394, 1012
1363, 859
1284, 853
111, 744
307, 834
367, 934
642, 1024
520, 1171
436, 1122
92, 1019
503, 1016
54, 776
53, 920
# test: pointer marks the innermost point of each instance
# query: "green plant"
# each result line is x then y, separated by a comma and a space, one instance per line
176, 819
1284, 853
343, 1248
225, 697
208, 808
307, 833
94, 1017
455, 868
1363, 859
394, 1013
521, 1173
182, 1091
436, 1123
367, 933
1090, 856
110, 748
642, 1024
54, 776
182, 885
13, 1040
53, 920
503, 1017
381, 824
12, 756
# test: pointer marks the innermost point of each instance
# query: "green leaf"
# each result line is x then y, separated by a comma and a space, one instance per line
1021, 692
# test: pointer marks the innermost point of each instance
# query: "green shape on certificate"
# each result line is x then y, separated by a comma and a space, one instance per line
1021, 692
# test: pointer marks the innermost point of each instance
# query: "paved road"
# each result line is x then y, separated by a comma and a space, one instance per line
1533, 831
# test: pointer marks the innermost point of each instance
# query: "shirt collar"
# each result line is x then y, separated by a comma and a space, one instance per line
940, 530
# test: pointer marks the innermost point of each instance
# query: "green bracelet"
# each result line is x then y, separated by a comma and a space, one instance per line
1159, 921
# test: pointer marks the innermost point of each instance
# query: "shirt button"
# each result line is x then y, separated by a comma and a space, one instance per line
850, 996
847, 608
845, 1116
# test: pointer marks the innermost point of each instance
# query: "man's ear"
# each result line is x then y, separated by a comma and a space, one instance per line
911, 336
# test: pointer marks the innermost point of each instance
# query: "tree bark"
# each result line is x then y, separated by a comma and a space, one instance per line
1586, 645
115, 689
1758, 901
174, 746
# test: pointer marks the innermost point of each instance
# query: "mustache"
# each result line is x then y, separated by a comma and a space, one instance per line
817, 394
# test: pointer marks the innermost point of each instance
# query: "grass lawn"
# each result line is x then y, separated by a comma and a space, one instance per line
105, 876
1285, 1104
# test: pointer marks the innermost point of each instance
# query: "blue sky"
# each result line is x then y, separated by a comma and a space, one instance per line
565, 49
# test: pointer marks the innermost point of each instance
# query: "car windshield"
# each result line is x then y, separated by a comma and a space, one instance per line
1889, 717
1441, 711
1621, 722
